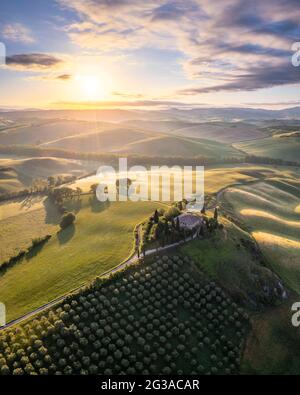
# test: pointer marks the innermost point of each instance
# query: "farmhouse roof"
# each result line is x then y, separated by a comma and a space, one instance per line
189, 219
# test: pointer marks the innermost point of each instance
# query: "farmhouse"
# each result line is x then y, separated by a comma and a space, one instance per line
190, 221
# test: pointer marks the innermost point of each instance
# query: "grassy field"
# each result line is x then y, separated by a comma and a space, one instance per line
23, 220
269, 210
100, 239
143, 142
286, 148
181, 146
222, 176
38, 131
272, 347
229, 257
16, 174
225, 132
216, 178
9, 180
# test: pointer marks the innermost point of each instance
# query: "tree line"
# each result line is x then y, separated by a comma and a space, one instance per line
137, 159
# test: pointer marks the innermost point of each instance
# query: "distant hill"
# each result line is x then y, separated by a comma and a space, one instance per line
135, 141
191, 115
286, 148
17, 174
223, 131
173, 132
36, 132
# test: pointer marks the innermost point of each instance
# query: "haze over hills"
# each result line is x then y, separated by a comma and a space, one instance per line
189, 114
227, 132
172, 132
37, 131
135, 141
17, 174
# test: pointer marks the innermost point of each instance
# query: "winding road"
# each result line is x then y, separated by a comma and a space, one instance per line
133, 258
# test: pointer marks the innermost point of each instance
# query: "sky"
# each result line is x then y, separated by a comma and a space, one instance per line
135, 53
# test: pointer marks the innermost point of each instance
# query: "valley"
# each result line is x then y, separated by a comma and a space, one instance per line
252, 255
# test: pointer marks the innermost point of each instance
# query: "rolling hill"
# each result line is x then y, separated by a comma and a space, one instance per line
286, 148
16, 174
223, 131
269, 209
226, 114
36, 132
135, 141
226, 132
101, 237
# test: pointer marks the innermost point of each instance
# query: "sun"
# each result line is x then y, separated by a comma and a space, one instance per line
90, 87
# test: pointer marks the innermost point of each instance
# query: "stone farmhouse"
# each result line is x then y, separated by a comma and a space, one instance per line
190, 221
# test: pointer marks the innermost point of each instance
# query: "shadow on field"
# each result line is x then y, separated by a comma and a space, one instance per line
65, 235
96, 206
52, 214
75, 205
30, 200
34, 251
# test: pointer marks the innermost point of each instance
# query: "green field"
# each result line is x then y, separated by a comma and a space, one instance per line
272, 347
38, 131
18, 173
286, 148
23, 220
229, 257
224, 132
9, 180
100, 239
269, 209
142, 142
217, 178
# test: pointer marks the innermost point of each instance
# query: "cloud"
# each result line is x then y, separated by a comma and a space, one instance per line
128, 24
16, 32
227, 46
251, 79
274, 104
33, 62
128, 95
126, 103
50, 77
64, 77
170, 11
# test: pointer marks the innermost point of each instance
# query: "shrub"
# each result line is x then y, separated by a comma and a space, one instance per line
67, 220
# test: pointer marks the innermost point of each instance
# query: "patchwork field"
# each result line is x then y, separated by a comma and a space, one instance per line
9, 180
286, 148
37, 131
132, 137
23, 220
136, 141
222, 176
225, 132
101, 237
17, 174
269, 210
